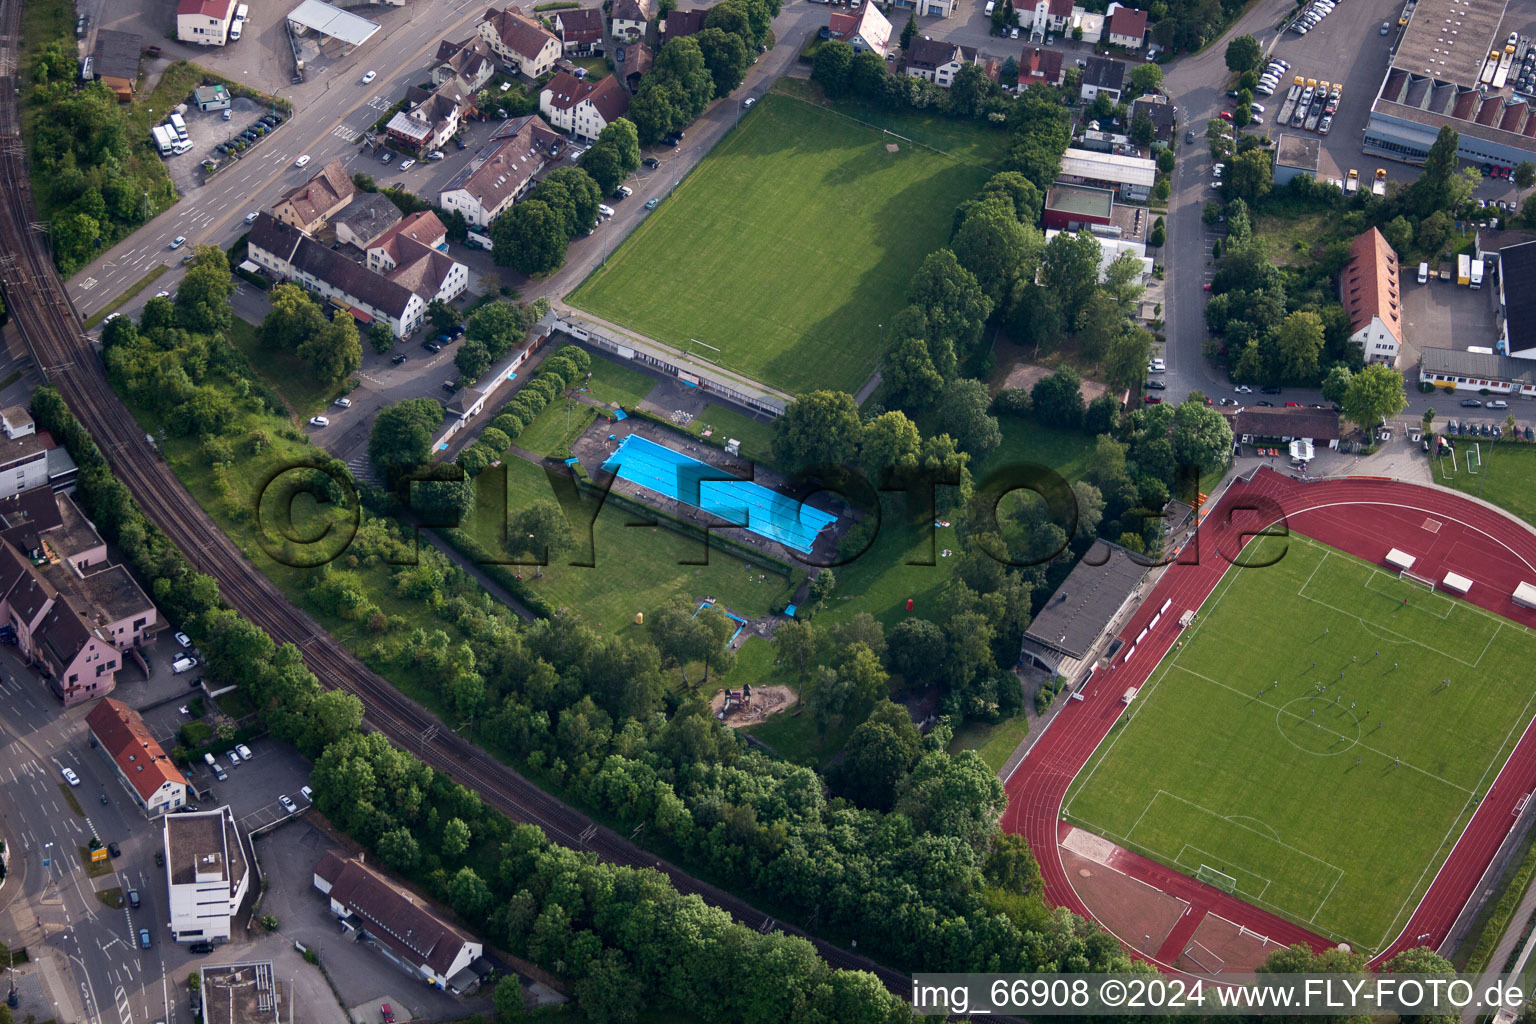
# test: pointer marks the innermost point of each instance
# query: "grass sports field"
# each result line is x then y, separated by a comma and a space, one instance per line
1333, 808
788, 245
1506, 477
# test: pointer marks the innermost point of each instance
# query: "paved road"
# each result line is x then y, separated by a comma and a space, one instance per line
56, 903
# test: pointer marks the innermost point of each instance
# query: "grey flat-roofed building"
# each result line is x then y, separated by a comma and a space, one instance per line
1478, 371
1296, 155
1076, 616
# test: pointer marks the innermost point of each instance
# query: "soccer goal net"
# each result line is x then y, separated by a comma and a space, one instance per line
1220, 879
1423, 581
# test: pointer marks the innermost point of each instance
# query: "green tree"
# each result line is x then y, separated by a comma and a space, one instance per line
1146, 79
1336, 383
1098, 325
202, 298
531, 239
953, 796
443, 317
963, 416
821, 586
1243, 54
1298, 346
1069, 267
821, 428
955, 306
335, 351
456, 837
541, 530
508, 1000
1525, 174
402, 434
916, 649
878, 756
1142, 131
1058, 399
381, 336
909, 30
831, 66
1201, 435
995, 247
1249, 176
292, 318
1129, 353
399, 849
890, 443
1375, 395
969, 89
727, 57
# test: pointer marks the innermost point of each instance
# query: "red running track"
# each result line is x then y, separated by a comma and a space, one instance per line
1366, 518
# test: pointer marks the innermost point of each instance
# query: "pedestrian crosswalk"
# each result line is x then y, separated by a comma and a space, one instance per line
345, 134
378, 103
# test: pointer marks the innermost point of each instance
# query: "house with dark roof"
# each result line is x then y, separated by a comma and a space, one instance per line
115, 61
637, 61
1517, 300
1103, 75
1039, 65
863, 28
580, 31
629, 17
1065, 634
399, 924
679, 24
365, 218
1260, 424
1127, 27
937, 61
520, 41
470, 63
205, 22
310, 205
582, 107
432, 117
207, 873
1161, 113
501, 173
122, 737
1370, 292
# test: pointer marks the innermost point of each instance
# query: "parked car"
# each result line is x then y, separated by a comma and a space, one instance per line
343, 403
652, 203
406, 165
182, 639
245, 751
250, 218
1152, 400
1471, 403
651, 162
319, 421
288, 805
234, 759
1243, 389
385, 156
1497, 403
70, 776
200, 948
307, 793
114, 849
436, 154
143, 938
431, 346
133, 898
400, 358
1155, 385
622, 192
219, 773
183, 663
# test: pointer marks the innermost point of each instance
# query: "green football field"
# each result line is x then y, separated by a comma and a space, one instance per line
1331, 807
789, 245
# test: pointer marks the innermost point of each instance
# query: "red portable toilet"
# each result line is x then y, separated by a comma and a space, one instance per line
909, 604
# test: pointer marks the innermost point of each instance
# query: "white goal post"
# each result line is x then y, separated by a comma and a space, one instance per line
1413, 577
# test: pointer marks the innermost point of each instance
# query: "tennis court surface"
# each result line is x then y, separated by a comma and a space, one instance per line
742, 503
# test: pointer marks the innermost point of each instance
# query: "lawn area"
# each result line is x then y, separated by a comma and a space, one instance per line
995, 743
1329, 794
724, 423
805, 225
636, 568
597, 67
792, 736
1291, 239
1507, 477
616, 384
552, 430
284, 372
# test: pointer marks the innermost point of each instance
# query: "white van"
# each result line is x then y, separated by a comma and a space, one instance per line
209, 759
1423, 273
990, 5
180, 126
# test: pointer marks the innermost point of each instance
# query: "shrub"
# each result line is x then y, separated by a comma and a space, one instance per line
495, 439
509, 424
1012, 401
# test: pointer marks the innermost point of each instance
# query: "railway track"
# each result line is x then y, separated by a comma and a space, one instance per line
39, 305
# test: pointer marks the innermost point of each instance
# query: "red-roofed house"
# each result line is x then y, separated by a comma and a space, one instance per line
155, 782
204, 21
863, 29
1127, 27
1369, 290
580, 31
1049, 16
519, 40
403, 927
1039, 65
501, 173
308, 206
679, 24
413, 254
581, 107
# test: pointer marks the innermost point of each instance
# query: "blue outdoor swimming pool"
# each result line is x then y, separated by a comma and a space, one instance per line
751, 506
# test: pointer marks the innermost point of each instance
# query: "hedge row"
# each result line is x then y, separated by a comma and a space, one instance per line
562, 370
504, 575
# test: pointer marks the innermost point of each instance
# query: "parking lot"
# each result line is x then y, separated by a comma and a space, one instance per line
362, 975
1443, 314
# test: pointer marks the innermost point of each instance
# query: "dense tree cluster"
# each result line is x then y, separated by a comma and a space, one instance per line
94, 180
332, 349
690, 71
613, 156
532, 237
1190, 24
564, 369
